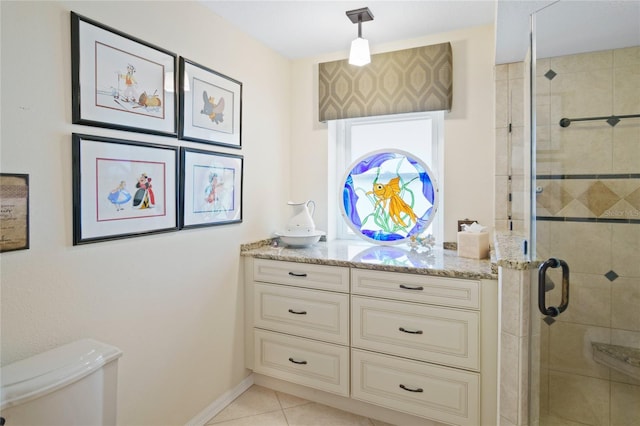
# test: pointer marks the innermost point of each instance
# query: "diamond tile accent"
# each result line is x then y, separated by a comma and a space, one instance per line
613, 121
634, 199
610, 197
550, 74
553, 197
611, 275
598, 198
548, 320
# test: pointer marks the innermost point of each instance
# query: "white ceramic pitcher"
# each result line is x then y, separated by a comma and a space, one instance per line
301, 222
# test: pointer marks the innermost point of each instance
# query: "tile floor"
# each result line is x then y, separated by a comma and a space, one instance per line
259, 406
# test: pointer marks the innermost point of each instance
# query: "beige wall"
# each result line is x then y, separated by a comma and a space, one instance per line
469, 131
171, 302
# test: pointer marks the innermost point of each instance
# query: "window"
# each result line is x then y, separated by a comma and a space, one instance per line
420, 134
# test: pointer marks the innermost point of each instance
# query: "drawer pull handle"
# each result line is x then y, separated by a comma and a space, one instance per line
404, 330
297, 362
411, 390
291, 311
411, 287
293, 274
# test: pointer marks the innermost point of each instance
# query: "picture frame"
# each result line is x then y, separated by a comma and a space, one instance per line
211, 188
210, 106
122, 188
121, 82
14, 212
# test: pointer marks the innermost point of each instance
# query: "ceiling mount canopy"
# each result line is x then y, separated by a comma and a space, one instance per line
359, 54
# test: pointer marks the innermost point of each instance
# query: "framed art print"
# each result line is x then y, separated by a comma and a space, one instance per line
14, 212
388, 196
211, 188
210, 106
121, 82
122, 188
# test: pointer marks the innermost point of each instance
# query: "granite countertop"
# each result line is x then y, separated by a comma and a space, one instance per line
507, 251
360, 254
509, 248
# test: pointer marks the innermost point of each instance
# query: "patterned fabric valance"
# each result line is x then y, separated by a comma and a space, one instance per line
410, 80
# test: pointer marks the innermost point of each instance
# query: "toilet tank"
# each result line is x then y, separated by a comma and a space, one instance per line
74, 384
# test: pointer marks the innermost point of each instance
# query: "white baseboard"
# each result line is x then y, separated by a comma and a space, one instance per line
219, 404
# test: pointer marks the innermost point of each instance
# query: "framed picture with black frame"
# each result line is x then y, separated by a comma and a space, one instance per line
121, 82
210, 106
122, 188
211, 188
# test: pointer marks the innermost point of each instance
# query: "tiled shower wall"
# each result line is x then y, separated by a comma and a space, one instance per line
511, 158
588, 211
512, 87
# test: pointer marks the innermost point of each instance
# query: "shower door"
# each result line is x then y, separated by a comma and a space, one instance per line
585, 196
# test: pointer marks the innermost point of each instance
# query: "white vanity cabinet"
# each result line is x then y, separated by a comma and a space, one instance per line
299, 316
418, 344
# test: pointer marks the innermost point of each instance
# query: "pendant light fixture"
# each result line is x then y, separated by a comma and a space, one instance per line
359, 54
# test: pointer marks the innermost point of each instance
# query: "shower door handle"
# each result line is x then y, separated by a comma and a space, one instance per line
553, 311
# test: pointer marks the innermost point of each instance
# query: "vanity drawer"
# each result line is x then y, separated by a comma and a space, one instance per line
306, 362
315, 314
323, 277
423, 332
439, 393
417, 288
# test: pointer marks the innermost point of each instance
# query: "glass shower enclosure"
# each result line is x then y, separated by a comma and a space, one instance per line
585, 210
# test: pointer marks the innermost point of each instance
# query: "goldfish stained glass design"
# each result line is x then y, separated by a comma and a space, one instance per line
389, 196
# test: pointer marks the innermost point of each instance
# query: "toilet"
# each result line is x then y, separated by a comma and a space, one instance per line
74, 384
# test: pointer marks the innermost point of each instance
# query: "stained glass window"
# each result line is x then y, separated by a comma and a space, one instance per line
389, 196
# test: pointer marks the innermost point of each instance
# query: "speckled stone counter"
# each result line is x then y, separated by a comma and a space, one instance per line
509, 250
621, 358
356, 254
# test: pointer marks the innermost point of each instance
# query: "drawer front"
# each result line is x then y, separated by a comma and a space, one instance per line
306, 362
323, 277
314, 314
422, 332
438, 393
417, 288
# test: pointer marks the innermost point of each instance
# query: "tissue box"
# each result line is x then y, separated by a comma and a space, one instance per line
474, 245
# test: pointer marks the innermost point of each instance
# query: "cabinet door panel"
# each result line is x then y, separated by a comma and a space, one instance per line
314, 314
309, 363
453, 292
423, 332
323, 277
439, 393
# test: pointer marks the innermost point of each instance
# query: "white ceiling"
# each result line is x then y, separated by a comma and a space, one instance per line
304, 28
298, 29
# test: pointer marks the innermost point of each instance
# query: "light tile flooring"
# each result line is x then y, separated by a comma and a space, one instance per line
259, 406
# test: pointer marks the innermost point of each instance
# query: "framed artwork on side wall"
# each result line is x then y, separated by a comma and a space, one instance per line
211, 188
121, 82
210, 106
122, 188
14, 211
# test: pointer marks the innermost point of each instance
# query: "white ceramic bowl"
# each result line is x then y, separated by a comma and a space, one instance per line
299, 240
300, 231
